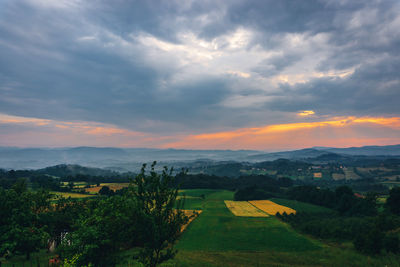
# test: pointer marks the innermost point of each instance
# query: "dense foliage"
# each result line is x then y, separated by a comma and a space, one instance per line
23, 226
93, 232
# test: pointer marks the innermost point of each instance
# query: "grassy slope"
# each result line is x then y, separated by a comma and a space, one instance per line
40, 258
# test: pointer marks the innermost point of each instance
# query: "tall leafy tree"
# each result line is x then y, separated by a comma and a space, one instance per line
161, 215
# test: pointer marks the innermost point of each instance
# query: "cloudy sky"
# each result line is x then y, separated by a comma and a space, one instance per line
268, 75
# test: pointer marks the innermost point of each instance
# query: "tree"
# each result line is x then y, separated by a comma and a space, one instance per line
161, 215
393, 201
106, 191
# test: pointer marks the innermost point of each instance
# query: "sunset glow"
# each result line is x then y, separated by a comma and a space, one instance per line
339, 131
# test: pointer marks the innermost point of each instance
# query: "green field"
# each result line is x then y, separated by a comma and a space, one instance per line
217, 238
217, 229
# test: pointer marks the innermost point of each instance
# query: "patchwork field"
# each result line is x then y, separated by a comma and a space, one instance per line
244, 209
271, 207
217, 229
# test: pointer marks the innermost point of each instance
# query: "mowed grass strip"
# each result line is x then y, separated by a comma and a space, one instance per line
271, 207
244, 209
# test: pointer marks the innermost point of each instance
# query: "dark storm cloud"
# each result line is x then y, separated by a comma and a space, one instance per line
275, 64
90, 60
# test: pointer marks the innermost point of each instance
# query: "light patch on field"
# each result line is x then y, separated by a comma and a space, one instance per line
271, 207
244, 209
350, 174
338, 176
381, 200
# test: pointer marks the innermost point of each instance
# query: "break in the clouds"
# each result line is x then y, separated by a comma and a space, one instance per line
174, 69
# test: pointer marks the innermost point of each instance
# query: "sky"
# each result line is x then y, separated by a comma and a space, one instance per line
267, 75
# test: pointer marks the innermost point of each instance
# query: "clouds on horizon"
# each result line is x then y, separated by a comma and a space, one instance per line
334, 131
172, 68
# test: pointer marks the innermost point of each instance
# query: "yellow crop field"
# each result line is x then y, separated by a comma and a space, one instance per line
244, 209
271, 207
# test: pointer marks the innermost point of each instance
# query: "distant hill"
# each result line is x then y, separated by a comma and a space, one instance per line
63, 170
295, 154
131, 159
393, 150
329, 153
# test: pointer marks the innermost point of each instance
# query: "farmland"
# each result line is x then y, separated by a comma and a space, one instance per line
217, 229
244, 209
219, 238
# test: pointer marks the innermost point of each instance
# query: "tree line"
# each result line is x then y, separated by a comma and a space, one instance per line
352, 218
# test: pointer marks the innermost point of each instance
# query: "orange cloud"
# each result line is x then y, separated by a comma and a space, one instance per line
305, 113
7, 119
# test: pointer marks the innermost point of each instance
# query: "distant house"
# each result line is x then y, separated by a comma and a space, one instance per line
317, 174
358, 195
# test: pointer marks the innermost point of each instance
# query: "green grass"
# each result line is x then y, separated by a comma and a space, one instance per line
194, 197
301, 206
197, 192
327, 257
217, 229
193, 204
